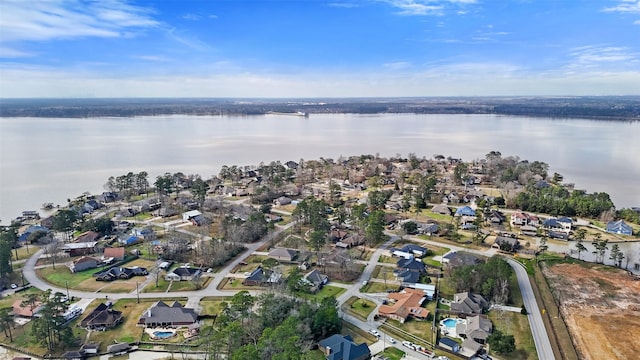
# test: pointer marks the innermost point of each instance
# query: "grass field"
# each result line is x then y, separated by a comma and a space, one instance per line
326, 291
24, 252
393, 354
378, 287
517, 325
360, 308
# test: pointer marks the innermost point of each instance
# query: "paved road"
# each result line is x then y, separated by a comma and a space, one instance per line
540, 336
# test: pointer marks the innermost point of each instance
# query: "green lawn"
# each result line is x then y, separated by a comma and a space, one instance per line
361, 308
212, 305
61, 275
517, 325
378, 287
393, 353
326, 291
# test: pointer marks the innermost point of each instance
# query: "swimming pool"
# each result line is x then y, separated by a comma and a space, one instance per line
163, 334
450, 323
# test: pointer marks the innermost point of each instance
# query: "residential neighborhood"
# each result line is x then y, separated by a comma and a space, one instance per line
425, 251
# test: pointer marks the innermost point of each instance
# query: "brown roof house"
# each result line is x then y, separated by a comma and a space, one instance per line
161, 314
116, 253
103, 317
26, 311
407, 303
87, 236
84, 263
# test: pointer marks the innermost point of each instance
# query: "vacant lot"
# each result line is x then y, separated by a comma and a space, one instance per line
601, 306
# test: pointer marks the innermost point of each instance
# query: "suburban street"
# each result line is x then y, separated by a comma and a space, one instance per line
539, 332
541, 338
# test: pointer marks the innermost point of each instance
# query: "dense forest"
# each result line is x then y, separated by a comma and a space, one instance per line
602, 108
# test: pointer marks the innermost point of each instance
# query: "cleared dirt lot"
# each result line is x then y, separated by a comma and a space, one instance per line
601, 306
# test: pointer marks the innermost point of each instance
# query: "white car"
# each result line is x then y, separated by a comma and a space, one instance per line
408, 344
374, 332
392, 340
14, 286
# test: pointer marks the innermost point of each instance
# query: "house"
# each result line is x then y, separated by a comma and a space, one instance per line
282, 254
566, 223
283, 200
256, 278
409, 270
470, 346
117, 253
619, 227
468, 303
496, 217
118, 349
128, 240
84, 263
449, 344
528, 230
519, 218
121, 273
161, 314
407, 303
316, 279
465, 211
187, 216
476, 328
441, 209
351, 241
272, 218
90, 348
26, 311
460, 258
428, 229
74, 355
102, 317
558, 235
78, 249
183, 273
339, 347
506, 243
31, 230
416, 250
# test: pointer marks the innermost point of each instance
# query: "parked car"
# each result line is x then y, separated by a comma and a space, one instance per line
14, 286
408, 344
375, 332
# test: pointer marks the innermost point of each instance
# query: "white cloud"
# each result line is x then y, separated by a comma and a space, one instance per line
637, 22
57, 19
345, 5
428, 7
6, 52
398, 65
151, 58
462, 79
598, 56
625, 6
193, 17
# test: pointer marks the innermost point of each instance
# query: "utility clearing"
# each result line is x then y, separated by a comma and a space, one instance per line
601, 307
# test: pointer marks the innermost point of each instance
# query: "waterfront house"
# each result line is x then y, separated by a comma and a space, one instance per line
619, 227
78, 249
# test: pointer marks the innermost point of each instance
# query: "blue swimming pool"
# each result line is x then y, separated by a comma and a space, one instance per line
163, 334
450, 323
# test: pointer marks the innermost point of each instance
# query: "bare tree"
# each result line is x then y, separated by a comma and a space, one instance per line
52, 249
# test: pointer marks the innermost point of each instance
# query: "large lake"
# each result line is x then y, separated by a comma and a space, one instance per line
50, 160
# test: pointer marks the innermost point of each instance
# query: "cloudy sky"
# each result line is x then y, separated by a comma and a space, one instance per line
317, 48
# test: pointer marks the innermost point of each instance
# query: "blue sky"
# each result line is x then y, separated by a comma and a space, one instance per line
315, 48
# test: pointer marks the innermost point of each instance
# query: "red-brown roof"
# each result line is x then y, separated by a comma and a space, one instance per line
117, 252
25, 311
406, 303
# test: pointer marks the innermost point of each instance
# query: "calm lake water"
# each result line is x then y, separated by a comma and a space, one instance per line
50, 160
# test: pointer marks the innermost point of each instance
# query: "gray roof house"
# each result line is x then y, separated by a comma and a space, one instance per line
468, 303
162, 315
477, 328
339, 347
119, 348
282, 254
183, 273
316, 279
